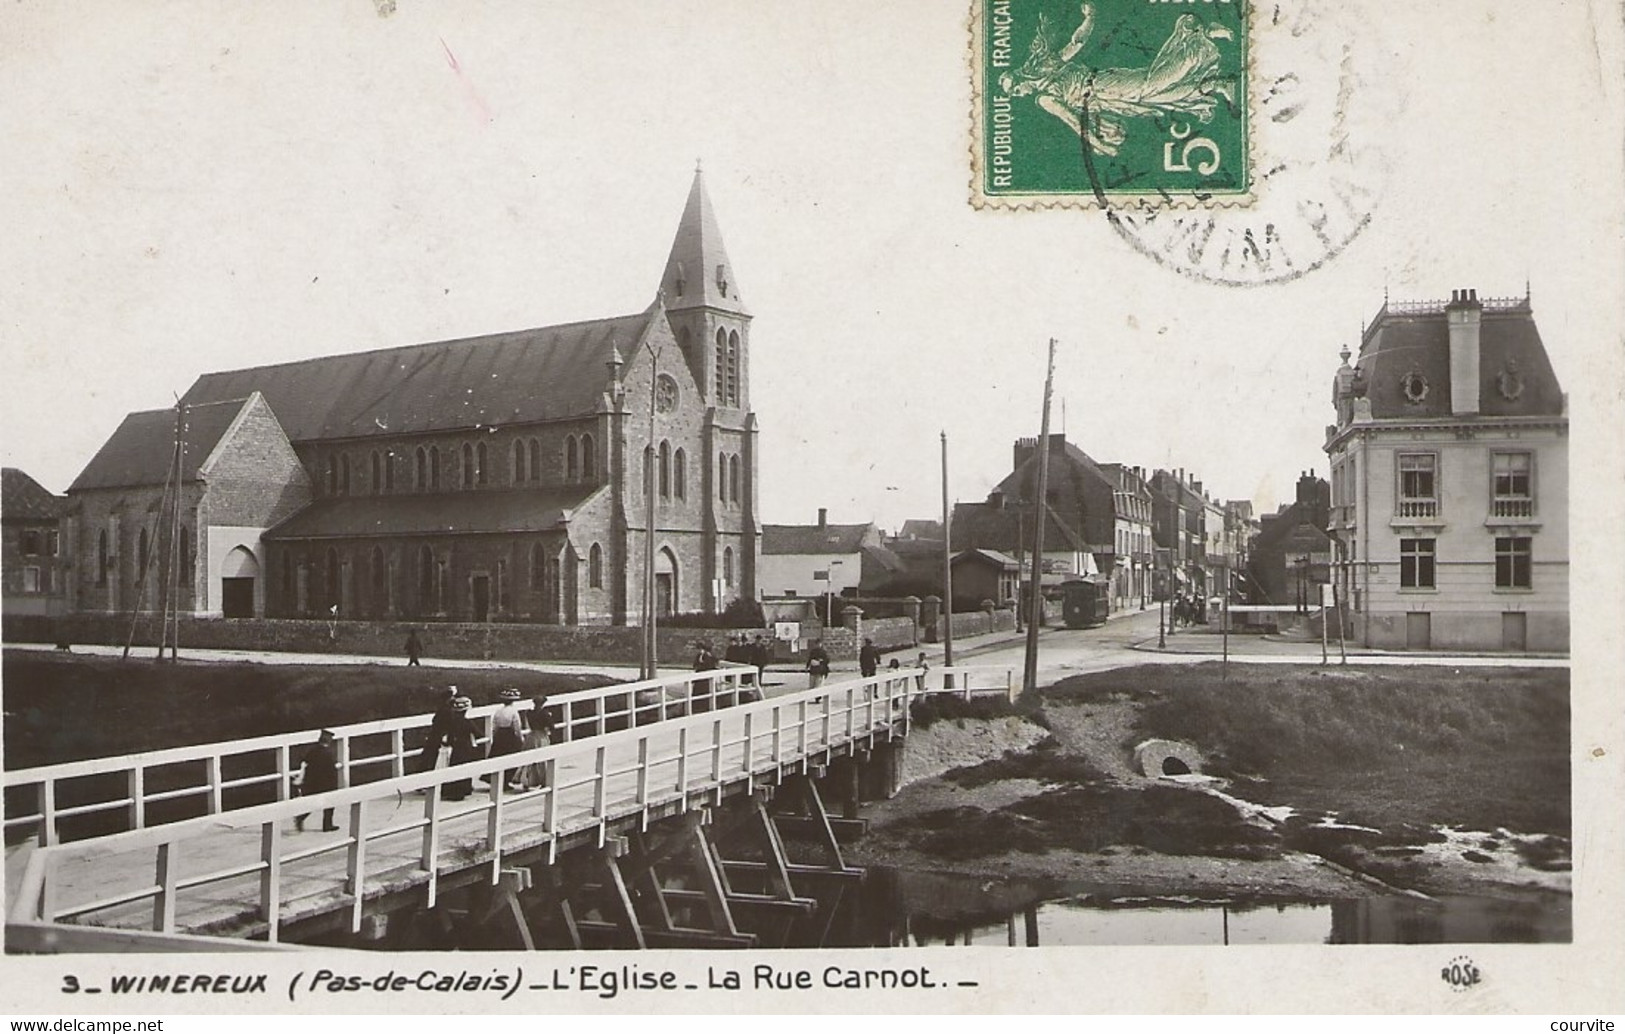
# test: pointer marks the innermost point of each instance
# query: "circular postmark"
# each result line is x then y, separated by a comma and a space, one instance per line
1320, 96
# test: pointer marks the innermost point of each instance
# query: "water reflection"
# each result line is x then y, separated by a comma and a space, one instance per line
894, 908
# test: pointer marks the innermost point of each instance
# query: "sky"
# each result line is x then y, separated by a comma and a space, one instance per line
193, 187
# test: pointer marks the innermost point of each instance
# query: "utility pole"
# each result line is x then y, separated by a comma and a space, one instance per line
650, 653
947, 570
1029, 681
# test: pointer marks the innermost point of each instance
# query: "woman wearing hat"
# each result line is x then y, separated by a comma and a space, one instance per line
464, 747
508, 733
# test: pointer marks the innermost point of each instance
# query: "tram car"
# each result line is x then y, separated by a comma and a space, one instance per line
1083, 603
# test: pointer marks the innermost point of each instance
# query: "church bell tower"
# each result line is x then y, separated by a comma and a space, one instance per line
703, 305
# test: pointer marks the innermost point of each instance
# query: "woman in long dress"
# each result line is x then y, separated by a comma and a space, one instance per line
464, 748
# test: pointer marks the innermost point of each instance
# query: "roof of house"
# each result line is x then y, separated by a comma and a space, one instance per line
697, 270
920, 528
24, 499
987, 556
990, 526
883, 556
444, 513
813, 539
1515, 375
140, 451
546, 373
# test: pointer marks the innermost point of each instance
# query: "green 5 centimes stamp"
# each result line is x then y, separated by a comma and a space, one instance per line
1111, 102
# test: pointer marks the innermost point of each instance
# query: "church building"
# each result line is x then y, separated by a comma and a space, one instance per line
498, 478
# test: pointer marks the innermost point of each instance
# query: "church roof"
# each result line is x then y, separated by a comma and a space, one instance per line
24, 499
444, 513
140, 451
697, 270
547, 373
1515, 375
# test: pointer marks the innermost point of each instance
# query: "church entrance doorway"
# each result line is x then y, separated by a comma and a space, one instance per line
665, 584
237, 597
237, 575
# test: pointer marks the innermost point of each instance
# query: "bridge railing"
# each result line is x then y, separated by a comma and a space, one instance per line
587, 783
99, 795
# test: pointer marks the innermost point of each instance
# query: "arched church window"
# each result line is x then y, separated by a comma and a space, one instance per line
434, 467
535, 460
468, 465
141, 555
665, 470
377, 481
520, 467
426, 580
589, 457
332, 475
420, 469
595, 567
728, 567
480, 458
380, 581
333, 577
101, 557
722, 477
572, 458
733, 478
720, 392
679, 475
733, 368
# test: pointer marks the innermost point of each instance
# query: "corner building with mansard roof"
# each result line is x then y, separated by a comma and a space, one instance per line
1450, 480
498, 478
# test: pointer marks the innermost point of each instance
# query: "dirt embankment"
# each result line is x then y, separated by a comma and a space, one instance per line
1053, 793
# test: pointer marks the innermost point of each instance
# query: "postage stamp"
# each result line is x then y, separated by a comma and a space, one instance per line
1111, 102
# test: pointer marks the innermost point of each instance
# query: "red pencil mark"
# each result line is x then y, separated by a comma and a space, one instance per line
481, 109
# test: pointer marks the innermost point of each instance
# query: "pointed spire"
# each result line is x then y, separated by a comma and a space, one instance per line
697, 270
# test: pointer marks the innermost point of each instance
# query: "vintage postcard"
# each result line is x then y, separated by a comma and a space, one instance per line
998, 506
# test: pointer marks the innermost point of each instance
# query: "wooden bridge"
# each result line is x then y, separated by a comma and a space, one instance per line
683, 811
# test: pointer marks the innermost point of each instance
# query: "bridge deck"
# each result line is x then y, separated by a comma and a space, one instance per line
248, 873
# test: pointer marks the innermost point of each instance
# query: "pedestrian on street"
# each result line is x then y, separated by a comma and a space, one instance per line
464, 742
440, 728
318, 773
868, 659
817, 663
508, 733
414, 649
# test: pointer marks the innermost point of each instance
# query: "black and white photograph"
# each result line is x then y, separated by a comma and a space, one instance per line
717, 506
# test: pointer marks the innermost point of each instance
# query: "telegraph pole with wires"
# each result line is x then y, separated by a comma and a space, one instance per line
1035, 616
650, 457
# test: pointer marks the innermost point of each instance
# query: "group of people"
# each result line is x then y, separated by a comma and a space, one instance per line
512, 731
452, 737
1186, 610
868, 661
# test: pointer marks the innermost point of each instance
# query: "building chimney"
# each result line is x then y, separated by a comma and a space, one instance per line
823, 516
1466, 316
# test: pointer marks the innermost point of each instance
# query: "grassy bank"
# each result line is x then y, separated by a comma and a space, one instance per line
67, 707
1473, 747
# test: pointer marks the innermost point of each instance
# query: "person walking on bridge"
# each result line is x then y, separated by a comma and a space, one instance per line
868, 659
508, 733
465, 747
414, 649
318, 773
817, 663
